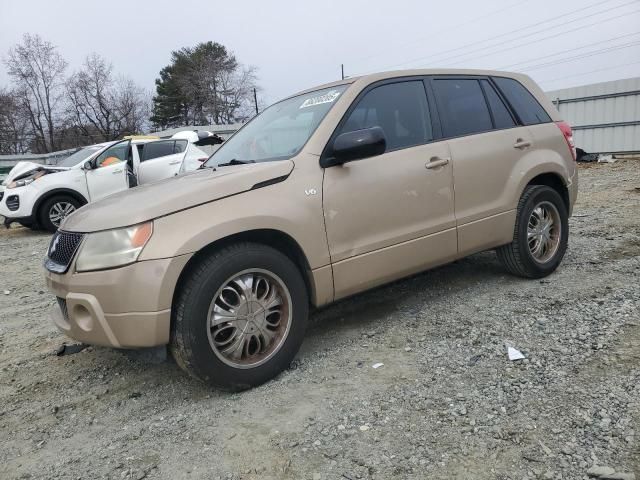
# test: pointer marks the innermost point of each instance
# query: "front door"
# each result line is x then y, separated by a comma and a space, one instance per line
109, 173
390, 215
161, 159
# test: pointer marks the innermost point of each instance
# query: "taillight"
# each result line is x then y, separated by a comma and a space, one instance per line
565, 128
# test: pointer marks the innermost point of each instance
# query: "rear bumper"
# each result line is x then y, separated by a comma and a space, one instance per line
572, 187
126, 307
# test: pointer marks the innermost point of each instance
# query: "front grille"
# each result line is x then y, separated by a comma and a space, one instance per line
61, 251
13, 202
62, 303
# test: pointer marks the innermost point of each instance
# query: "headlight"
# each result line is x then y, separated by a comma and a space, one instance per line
21, 183
27, 180
113, 248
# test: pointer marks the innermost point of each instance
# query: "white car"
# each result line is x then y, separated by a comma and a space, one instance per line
41, 196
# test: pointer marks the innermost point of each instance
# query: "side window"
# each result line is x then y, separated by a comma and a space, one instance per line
525, 104
180, 146
157, 149
462, 108
112, 155
400, 109
499, 112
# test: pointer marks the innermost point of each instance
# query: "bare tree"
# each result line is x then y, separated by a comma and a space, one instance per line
37, 70
14, 124
104, 106
236, 95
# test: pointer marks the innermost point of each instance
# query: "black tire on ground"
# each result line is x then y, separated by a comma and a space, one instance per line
516, 256
189, 343
31, 225
43, 214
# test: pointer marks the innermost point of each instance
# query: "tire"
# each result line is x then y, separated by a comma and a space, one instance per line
64, 202
30, 225
199, 350
522, 258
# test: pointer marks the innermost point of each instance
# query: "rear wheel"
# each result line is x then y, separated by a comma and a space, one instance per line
55, 209
540, 236
240, 317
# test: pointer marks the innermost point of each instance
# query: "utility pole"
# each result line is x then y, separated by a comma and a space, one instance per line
342, 70
255, 99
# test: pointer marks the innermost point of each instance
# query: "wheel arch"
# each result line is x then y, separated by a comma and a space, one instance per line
57, 191
276, 239
556, 182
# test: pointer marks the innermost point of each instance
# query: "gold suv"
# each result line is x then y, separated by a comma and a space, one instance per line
325, 194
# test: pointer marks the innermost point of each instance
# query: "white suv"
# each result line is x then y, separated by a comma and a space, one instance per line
41, 196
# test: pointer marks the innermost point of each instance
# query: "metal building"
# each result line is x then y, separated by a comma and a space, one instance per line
605, 117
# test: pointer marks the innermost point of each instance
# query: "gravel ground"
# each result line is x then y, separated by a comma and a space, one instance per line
447, 403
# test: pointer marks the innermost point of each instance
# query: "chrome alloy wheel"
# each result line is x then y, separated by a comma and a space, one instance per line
249, 318
59, 211
544, 232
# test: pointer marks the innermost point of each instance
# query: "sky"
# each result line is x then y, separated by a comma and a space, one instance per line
298, 44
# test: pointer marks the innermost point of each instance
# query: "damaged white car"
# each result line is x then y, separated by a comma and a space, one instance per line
41, 196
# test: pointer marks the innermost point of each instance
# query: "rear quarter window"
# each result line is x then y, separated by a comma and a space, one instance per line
522, 101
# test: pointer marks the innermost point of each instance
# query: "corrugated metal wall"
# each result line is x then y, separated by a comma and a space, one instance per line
605, 116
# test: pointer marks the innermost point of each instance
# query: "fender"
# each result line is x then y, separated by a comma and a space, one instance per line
58, 191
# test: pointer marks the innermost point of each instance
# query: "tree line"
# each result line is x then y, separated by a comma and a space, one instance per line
45, 108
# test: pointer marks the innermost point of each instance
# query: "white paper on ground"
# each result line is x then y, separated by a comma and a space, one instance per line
514, 354
377, 365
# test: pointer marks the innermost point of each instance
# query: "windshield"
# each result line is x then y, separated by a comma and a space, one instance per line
280, 131
79, 156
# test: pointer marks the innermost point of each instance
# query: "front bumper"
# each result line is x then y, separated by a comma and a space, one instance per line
125, 307
26, 197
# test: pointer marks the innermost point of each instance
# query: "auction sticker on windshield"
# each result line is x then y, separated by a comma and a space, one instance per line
328, 97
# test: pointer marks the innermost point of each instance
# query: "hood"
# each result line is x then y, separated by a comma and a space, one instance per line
23, 168
154, 200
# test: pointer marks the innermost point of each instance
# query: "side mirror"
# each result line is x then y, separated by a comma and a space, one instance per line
356, 145
88, 165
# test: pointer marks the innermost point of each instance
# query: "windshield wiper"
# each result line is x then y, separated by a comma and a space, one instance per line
235, 161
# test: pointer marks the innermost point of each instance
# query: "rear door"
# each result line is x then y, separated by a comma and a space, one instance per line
486, 144
161, 159
109, 174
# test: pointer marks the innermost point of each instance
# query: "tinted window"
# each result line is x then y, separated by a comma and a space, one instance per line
157, 149
180, 146
113, 155
525, 104
462, 107
501, 116
400, 109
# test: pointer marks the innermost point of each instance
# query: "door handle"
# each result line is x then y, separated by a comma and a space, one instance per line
436, 162
521, 144
175, 162
115, 172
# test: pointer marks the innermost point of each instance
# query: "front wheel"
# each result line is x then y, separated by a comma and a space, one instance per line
540, 236
240, 317
55, 209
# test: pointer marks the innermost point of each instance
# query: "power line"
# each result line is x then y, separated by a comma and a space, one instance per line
613, 67
584, 55
567, 51
444, 29
552, 19
555, 35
